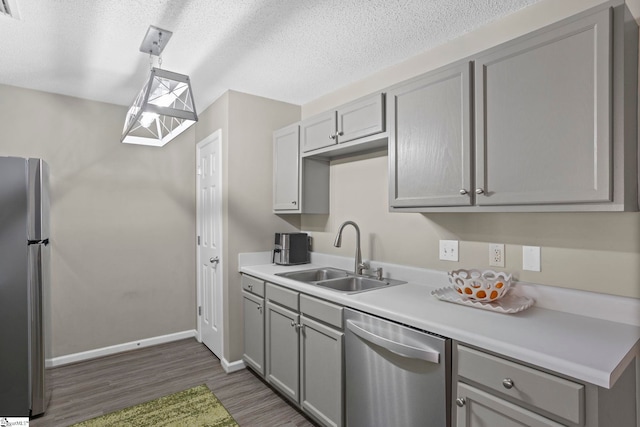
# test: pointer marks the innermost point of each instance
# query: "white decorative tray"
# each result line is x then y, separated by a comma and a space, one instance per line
507, 304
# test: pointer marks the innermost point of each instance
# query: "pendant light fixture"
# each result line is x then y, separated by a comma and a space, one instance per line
164, 107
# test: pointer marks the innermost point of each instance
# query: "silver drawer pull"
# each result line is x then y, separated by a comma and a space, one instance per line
507, 383
479, 191
463, 192
461, 402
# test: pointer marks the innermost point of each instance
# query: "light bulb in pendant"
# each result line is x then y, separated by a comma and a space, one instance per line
147, 119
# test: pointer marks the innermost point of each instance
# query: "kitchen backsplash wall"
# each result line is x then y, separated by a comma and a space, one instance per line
597, 252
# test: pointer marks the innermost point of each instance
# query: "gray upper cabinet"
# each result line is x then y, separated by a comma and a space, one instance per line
318, 131
543, 117
286, 169
361, 118
546, 122
356, 120
299, 185
430, 139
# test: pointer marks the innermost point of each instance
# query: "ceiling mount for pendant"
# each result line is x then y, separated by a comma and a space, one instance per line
155, 40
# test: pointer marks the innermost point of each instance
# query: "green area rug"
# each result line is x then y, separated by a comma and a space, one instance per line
197, 406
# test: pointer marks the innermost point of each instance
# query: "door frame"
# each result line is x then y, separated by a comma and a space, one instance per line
217, 135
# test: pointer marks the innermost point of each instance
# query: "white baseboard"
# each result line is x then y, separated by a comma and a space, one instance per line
230, 367
119, 348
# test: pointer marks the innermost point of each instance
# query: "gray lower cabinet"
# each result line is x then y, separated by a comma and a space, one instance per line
253, 323
482, 409
321, 364
541, 123
282, 344
304, 346
494, 391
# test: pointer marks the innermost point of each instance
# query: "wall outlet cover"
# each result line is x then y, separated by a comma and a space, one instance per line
496, 254
449, 250
531, 258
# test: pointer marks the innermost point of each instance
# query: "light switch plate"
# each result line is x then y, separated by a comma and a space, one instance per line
531, 258
449, 250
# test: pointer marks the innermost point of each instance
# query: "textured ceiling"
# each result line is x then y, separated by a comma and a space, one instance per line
291, 50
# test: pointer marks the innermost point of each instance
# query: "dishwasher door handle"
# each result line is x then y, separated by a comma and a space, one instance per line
404, 350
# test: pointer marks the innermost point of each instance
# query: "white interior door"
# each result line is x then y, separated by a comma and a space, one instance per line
209, 252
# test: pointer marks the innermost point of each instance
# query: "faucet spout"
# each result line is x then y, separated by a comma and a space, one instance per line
359, 266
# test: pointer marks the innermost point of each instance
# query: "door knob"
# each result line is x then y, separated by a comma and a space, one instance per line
214, 260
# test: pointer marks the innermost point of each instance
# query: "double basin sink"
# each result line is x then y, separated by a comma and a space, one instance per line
339, 280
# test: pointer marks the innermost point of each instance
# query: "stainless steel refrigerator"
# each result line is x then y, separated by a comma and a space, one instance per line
24, 286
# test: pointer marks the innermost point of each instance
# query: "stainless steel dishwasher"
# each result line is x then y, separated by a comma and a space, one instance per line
395, 375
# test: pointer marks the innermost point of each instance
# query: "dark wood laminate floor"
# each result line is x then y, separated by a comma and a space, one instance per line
88, 389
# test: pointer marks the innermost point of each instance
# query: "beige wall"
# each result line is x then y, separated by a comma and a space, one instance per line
247, 124
591, 251
122, 224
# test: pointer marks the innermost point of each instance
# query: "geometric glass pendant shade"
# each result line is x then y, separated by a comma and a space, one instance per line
163, 109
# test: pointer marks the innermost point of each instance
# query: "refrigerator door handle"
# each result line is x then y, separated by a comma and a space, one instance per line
37, 358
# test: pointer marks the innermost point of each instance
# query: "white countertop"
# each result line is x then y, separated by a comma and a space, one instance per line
589, 349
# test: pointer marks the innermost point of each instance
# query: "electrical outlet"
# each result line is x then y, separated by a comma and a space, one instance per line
449, 250
531, 258
496, 254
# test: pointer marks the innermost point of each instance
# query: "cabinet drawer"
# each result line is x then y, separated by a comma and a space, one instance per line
253, 285
321, 310
553, 394
282, 296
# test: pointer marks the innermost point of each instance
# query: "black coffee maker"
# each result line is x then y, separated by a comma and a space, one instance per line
291, 249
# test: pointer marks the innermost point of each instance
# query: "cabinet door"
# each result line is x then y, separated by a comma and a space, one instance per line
283, 358
481, 409
543, 117
318, 131
361, 118
286, 169
321, 391
253, 327
430, 140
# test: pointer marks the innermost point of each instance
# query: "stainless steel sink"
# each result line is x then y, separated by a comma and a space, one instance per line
357, 284
315, 275
339, 280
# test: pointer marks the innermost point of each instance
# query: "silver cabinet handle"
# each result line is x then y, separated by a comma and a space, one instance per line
296, 325
250, 287
340, 133
294, 203
332, 136
214, 260
461, 401
507, 383
260, 308
404, 350
463, 192
479, 191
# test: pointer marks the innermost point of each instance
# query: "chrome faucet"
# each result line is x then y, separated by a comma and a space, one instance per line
359, 265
